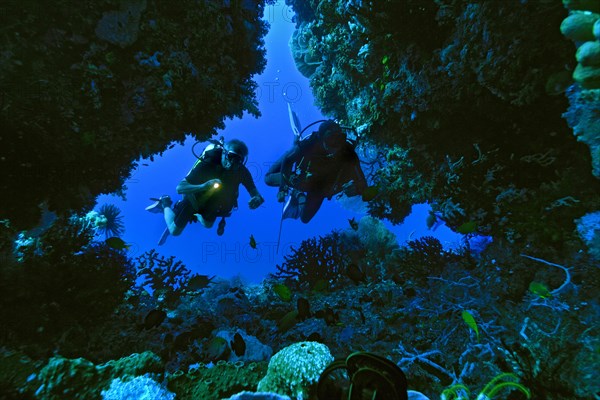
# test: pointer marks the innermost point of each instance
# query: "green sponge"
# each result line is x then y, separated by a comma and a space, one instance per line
295, 369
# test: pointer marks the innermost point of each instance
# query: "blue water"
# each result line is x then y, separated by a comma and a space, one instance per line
267, 137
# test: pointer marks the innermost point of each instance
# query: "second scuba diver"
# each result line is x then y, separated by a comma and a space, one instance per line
316, 168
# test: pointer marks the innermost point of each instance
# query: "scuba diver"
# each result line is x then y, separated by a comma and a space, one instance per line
210, 189
317, 167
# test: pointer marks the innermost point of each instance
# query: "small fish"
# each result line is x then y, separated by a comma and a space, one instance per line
182, 340
353, 223
198, 282
154, 318
431, 220
288, 321
252, 242
369, 193
321, 285
467, 227
356, 274
238, 345
282, 291
470, 321
303, 308
540, 290
145, 164
116, 243
331, 317
315, 337
217, 349
171, 146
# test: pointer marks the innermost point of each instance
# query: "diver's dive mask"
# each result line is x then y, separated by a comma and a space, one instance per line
233, 157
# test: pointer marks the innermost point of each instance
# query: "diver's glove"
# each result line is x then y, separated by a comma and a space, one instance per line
255, 201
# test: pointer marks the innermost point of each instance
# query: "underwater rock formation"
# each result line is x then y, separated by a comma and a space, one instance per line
88, 88
81, 379
456, 92
582, 26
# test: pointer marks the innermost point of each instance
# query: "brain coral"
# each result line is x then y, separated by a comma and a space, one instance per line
295, 369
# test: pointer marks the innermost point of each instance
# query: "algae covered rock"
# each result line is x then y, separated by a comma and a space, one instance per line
222, 380
295, 369
79, 378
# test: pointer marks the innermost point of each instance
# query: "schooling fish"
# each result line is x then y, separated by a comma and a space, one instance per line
252, 242
353, 223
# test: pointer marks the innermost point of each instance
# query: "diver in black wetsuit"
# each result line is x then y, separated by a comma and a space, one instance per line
210, 189
316, 168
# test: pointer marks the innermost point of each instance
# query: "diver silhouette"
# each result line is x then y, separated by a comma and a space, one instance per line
210, 190
316, 168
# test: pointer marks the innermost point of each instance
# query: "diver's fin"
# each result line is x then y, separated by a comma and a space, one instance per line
294, 206
294, 121
163, 237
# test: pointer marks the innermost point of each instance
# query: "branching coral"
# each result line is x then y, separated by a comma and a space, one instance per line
167, 277
424, 257
315, 260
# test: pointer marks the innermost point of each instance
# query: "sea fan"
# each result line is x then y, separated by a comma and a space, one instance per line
113, 221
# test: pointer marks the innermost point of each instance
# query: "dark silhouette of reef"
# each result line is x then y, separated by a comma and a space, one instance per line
88, 88
459, 104
464, 102
77, 323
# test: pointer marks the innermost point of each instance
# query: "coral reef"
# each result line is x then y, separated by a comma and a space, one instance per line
81, 379
140, 387
88, 89
221, 380
582, 26
545, 338
457, 94
165, 276
314, 261
459, 105
64, 283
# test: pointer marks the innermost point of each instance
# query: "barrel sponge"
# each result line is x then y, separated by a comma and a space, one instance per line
295, 369
579, 26
588, 54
